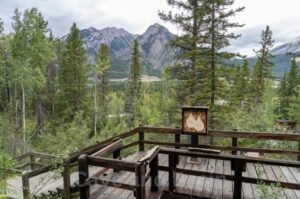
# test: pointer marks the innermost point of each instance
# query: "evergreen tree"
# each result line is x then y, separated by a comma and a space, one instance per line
102, 74
241, 86
217, 19
288, 92
283, 98
205, 26
133, 85
292, 79
189, 44
73, 75
263, 66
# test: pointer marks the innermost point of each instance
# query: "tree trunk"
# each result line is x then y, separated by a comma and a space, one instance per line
213, 72
95, 104
23, 109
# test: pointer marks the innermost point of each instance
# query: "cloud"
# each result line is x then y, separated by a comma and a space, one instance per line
132, 15
136, 15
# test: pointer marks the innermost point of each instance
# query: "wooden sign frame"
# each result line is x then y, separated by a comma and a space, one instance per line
194, 113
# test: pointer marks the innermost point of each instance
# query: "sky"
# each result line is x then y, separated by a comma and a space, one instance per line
136, 15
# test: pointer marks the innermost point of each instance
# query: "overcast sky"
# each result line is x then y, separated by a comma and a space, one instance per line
136, 15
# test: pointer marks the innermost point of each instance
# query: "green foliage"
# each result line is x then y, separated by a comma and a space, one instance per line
263, 66
73, 76
102, 73
31, 49
66, 137
201, 49
288, 93
261, 116
133, 91
6, 163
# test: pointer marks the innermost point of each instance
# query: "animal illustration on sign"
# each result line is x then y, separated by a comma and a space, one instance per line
194, 122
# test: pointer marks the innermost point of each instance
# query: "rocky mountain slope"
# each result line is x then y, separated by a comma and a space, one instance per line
154, 51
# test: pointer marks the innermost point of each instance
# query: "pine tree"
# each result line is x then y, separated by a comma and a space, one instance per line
263, 66
288, 92
283, 98
133, 91
102, 74
292, 79
189, 44
217, 19
241, 86
73, 76
205, 26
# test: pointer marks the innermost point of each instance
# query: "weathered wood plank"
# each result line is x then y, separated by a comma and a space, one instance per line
218, 183
280, 177
227, 185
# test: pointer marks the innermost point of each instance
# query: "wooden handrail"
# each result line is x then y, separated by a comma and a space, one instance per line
112, 163
226, 134
231, 157
108, 149
225, 148
239, 164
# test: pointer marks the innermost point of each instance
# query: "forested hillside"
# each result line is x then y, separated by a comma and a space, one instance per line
57, 98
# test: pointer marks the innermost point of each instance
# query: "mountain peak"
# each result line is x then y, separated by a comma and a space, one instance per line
292, 46
156, 28
92, 29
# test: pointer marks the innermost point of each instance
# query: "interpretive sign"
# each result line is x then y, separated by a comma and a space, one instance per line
194, 120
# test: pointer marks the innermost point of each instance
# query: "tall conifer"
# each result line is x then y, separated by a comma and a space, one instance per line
133, 84
73, 75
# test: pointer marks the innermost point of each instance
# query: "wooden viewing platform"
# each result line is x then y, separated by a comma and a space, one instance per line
181, 171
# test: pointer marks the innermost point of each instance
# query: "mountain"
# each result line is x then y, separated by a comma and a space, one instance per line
282, 55
154, 51
292, 46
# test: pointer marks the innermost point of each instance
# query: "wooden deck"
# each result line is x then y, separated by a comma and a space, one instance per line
202, 187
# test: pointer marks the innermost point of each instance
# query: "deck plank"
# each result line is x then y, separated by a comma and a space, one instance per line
247, 189
281, 177
209, 182
218, 183
227, 185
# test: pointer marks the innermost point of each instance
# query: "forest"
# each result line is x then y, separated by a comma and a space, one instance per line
54, 101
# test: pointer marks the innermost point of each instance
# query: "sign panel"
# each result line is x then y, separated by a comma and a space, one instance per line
194, 120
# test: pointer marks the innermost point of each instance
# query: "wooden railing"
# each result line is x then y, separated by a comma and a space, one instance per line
139, 139
34, 164
238, 167
139, 168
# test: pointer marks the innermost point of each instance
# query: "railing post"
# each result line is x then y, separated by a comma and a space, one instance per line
234, 143
141, 140
83, 169
66, 179
298, 158
238, 172
172, 172
32, 161
140, 171
177, 141
25, 184
117, 155
154, 174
